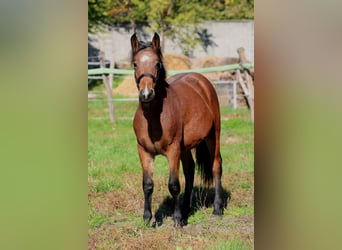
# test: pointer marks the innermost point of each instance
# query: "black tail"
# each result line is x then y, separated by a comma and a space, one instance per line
204, 163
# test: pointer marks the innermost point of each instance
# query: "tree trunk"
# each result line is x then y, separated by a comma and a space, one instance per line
162, 41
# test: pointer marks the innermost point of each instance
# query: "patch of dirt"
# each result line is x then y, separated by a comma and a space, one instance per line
124, 208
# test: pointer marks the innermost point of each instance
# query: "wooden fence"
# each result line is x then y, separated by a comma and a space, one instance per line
246, 80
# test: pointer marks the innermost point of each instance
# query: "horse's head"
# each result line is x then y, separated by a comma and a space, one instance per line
148, 66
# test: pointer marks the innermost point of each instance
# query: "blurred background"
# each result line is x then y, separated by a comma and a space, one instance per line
209, 37
43, 128
194, 35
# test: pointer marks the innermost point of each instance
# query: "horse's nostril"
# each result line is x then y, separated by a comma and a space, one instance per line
146, 94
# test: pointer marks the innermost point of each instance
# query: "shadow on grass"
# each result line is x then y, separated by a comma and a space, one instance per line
202, 197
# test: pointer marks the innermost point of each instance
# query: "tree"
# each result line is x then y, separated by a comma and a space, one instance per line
177, 19
108, 12
98, 14
131, 11
180, 19
237, 9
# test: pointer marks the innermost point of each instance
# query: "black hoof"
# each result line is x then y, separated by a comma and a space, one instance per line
218, 212
178, 222
147, 218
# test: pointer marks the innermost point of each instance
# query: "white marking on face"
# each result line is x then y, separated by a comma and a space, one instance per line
145, 92
144, 58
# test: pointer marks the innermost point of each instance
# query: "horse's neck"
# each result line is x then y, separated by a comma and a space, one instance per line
151, 109
154, 108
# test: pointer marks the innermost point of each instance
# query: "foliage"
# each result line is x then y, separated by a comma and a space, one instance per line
98, 14
177, 19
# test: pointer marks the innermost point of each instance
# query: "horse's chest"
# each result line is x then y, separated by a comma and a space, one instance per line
153, 138
154, 147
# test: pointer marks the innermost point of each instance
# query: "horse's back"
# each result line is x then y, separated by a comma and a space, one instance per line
198, 104
196, 88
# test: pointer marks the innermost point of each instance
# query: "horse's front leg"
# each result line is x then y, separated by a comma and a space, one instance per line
189, 172
173, 156
147, 163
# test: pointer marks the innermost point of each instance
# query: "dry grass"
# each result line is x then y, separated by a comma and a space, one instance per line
115, 195
123, 211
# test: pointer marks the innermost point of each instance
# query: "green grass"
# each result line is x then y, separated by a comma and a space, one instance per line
239, 211
108, 185
96, 221
237, 142
114, 145
97, 85
116, 197
200, 217
233, 244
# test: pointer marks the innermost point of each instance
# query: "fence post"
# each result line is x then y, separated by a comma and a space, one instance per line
248, 87
248, 92
234, 95
108, 85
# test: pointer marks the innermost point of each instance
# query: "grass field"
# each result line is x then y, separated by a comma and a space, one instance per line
116, 198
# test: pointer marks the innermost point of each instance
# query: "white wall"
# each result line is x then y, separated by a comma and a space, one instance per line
227, 37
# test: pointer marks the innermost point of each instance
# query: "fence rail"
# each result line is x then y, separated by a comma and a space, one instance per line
108, 73
97, 63
100, 71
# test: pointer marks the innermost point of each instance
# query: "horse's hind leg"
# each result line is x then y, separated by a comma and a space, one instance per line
217, 173
189, 171
213, 143
147, 163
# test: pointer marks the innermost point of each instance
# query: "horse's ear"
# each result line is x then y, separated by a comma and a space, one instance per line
156, 42
134, 42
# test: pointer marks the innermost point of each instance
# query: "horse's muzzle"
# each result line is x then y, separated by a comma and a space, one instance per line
146, 95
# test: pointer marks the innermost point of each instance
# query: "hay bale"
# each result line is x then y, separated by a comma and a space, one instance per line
127, 87
176, 62
216, 61
209, 62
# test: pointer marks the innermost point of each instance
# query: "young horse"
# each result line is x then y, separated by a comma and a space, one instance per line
173, 117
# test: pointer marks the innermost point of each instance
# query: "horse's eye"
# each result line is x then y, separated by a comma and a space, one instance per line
134, 65
158, 65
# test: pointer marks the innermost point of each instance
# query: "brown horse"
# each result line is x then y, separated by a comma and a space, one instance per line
173, 117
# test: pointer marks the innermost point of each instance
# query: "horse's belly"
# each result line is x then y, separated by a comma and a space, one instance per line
198, 107
195, 132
